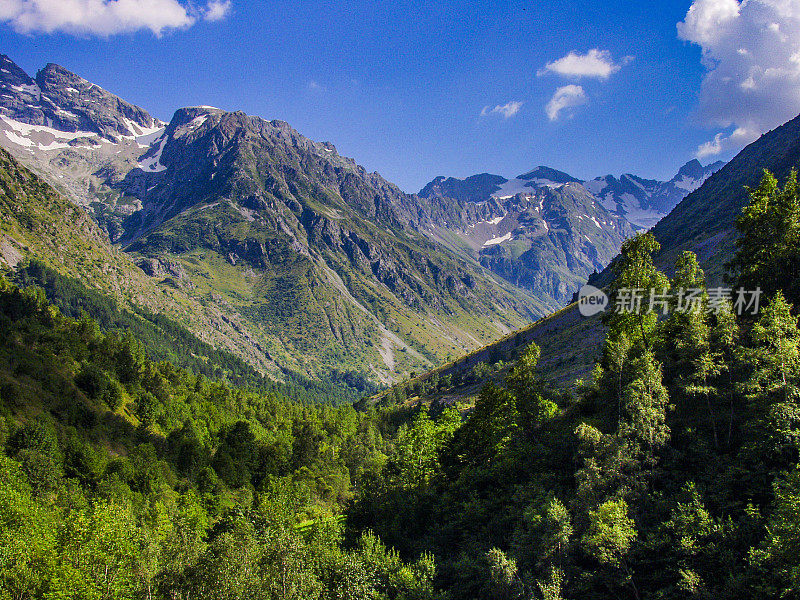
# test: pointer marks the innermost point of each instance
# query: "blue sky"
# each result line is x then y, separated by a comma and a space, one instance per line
408, 88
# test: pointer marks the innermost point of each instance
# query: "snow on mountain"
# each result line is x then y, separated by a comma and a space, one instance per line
152, 164
644, 202
61, 100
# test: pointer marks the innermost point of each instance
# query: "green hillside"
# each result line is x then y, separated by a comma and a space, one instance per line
125, 478
671, 473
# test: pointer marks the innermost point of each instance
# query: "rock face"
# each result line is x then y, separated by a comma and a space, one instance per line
537, 233
60, 100
544, 230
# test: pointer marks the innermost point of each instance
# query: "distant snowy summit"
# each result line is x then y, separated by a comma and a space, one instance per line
642, 202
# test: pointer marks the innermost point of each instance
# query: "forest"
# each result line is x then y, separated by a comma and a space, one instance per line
671, 472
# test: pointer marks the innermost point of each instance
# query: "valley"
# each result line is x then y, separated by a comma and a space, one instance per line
237, 363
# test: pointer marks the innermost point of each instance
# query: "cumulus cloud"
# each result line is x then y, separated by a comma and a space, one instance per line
567, 96
506, 110
106, 17
217, 10
751, 51
739, 137
595, 63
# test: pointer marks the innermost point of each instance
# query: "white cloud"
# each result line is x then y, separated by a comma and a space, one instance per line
567, 96
506, 110
106, 17
217, 10
595, 63
751, 51
741, 136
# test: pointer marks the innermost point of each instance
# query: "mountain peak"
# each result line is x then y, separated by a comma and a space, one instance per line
11, 73
61, 100
549, 174
693, 169
475, 188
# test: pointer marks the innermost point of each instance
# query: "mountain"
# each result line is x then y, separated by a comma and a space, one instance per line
644, 201
542, 175
545, 239
80, 138
471, 189
318, 263
704, 222
541, 231
550, 260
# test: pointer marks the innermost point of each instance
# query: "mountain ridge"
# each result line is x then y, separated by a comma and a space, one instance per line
321, 262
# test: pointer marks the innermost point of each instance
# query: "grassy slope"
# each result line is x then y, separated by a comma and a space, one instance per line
39, 223
570, 345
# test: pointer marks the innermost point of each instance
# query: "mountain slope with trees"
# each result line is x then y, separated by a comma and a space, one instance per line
318, 265
670, 473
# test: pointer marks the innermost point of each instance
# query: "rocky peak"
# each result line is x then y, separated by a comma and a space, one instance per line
75, 104
475, 188
13, 77
548, 174
20, 95
60, 100
693, 169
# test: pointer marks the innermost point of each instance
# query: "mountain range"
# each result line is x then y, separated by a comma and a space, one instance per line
704, 222
642, 202
314, 262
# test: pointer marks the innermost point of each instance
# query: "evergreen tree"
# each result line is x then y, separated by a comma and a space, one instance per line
774, 384
768, 247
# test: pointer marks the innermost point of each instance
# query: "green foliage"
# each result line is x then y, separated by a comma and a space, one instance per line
611, 532
124, 478
768, 247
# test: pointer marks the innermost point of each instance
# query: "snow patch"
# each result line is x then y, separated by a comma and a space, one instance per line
190, 126
153, 164
498, 240
26, 129
689, 183
18, 139
44, 138
28, 88
512, 187
636, 214
152, 134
